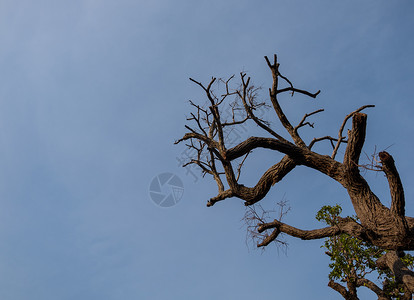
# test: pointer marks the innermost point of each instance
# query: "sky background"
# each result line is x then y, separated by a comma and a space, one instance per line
93, 95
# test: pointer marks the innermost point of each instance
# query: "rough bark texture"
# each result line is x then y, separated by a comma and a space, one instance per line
347, 294
401, 272
385, 227
373, 287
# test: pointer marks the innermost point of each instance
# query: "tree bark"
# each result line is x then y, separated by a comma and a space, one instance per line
348, 295
401, 272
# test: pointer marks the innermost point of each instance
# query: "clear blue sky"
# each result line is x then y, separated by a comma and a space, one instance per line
93, 95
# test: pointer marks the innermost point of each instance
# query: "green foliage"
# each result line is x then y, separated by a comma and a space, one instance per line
352, 259
329, 214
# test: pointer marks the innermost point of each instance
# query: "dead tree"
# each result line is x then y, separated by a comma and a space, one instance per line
387, 228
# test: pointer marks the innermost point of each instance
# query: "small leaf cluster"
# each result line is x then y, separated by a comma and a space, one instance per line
353, 259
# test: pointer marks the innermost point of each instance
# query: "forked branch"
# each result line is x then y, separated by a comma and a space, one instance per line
274, 91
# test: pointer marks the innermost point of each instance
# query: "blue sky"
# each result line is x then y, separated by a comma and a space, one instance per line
94, 93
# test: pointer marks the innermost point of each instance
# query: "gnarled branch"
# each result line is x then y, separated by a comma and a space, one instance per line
345, 225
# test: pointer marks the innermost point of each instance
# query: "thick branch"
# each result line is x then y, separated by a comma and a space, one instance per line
301, 156
299, 233
396, 187
261, 142
341, 129
270, 238
401, 272
254, 194
355, 141
396, 190
272, 176
373, 287
345, 225
342, 290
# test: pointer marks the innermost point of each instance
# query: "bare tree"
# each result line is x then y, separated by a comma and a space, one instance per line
386, 228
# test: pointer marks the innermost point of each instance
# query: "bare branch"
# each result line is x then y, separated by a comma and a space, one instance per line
345, 225
256, 215
191, 129
194, 135
214, 110
199, 163
235, 122
303, 123
299, 233
273, 92
221, 196
216, 174
243, 96
341, 129
197, 118
331, 139
241, 165
207, 89
272, 176
270, 238
294, 90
